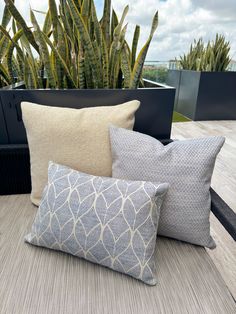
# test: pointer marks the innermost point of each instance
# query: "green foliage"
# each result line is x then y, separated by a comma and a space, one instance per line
212, 57
156, 74
73, 49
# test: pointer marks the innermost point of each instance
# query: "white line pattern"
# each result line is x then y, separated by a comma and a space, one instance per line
107, 221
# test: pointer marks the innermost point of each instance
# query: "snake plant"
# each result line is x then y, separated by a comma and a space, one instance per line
73, 48
211, 57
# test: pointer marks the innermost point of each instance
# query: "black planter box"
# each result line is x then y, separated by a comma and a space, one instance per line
204, 95
173, 79
154, 116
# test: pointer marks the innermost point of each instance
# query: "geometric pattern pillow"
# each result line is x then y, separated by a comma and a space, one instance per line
186, 165
107, 221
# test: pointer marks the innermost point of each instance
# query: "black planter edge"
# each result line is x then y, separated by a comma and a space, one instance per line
18, 85
203, 102
154, 117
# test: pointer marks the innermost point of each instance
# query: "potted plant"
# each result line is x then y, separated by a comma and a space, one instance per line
205, 90
74, 58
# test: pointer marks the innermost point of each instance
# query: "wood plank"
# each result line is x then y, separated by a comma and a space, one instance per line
224, 183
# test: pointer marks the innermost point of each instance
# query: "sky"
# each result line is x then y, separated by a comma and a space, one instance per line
180, 22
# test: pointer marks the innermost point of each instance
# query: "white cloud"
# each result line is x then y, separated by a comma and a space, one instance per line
180, 21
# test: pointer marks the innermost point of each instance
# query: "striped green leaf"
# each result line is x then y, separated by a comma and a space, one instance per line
138, 66
105, 24
17, 16
47, 23
6, 17
39, 35
4, 74
135, 45
87, 43
59, 58
54, 19
9, 54
125, 65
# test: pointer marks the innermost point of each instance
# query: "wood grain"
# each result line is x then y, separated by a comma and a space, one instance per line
40, 281
224, 183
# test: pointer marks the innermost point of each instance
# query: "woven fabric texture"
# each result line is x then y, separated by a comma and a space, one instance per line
78, 138
107, 221
186, 165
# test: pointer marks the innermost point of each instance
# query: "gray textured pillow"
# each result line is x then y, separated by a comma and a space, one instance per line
186, 165
104, 220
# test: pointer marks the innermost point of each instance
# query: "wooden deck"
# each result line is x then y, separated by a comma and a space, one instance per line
224, 183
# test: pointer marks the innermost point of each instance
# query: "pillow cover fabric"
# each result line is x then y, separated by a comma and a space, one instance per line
78, 138
107, 221
186, 165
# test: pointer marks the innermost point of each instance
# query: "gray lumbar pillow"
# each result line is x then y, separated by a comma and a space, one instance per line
107, 221
186, 165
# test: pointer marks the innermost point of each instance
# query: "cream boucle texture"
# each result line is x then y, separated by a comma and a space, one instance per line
77, 138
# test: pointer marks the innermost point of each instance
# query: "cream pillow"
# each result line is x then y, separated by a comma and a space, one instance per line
77, 138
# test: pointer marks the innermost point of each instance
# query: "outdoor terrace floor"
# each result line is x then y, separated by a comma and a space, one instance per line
224, 183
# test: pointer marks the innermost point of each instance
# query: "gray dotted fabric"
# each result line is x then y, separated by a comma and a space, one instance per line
107, 221
186, 165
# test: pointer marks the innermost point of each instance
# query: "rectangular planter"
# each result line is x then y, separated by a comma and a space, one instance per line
154, 116
205, 95
3, 126
173, 79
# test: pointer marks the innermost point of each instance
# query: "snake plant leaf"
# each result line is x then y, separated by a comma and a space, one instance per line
74, 48
27, 75
105, 23
97, 27
85, 10
63, 45
114, 23
8, 36
59, 57
3, 45
34, 70
54, 19
12, 43
116, 47
6, 17
74, 69
17, 16
56, 70
5, 32
138, 66
9, 54
43, 50
88, 72
4, 74
125, 65
118, 28
214, 56
99, 47
68, 22
105, 64
20, 64
14, 27
47, 23
116, 65
81, 69
101, 43
117, 31
88, 46
135, 45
